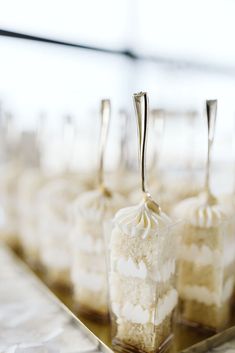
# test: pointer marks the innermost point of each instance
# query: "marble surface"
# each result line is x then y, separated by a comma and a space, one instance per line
228, 347
32, 320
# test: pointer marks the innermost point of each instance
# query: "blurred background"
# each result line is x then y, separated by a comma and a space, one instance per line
59, 58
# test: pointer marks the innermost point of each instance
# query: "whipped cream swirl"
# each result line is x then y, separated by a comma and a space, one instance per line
140, 220
199, 213
97, 206
207, 216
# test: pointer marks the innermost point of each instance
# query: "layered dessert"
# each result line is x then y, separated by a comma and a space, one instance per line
54, 201
228, 204
141, 278
30, 183
206, 265
89, 274
9, 217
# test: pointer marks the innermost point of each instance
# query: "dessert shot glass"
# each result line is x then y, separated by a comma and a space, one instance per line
206, 257
54, 202
90, 210
30, 183
141, 245
141, 277
206, 268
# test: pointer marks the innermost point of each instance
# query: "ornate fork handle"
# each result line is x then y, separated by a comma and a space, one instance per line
105, 119
211, 111
141, 108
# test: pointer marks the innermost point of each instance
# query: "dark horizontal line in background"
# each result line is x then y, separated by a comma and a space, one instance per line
68, 44
172, 63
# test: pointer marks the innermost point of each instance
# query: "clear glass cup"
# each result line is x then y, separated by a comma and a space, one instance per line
206, 274
9, 175
89, 271
89, 274
29, 241
55, 253
29, 184
142, 294
54, 202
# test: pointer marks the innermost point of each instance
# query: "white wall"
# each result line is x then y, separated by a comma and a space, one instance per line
37, 77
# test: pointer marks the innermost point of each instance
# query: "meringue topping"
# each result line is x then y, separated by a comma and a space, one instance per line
140, 220
206, 216
97, 205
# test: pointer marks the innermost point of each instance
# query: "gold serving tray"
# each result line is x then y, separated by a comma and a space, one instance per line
184, 337
216, 342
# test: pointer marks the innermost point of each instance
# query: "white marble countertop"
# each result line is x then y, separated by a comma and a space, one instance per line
32, 319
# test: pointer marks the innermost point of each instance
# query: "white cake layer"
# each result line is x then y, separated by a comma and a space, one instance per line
52, 225
89, 262
155, 249
94, 281
83, 226
56, 256
130, 268
29, 236
135, 290
203, 295
204, 256
54, 243
155, 315
87, 243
